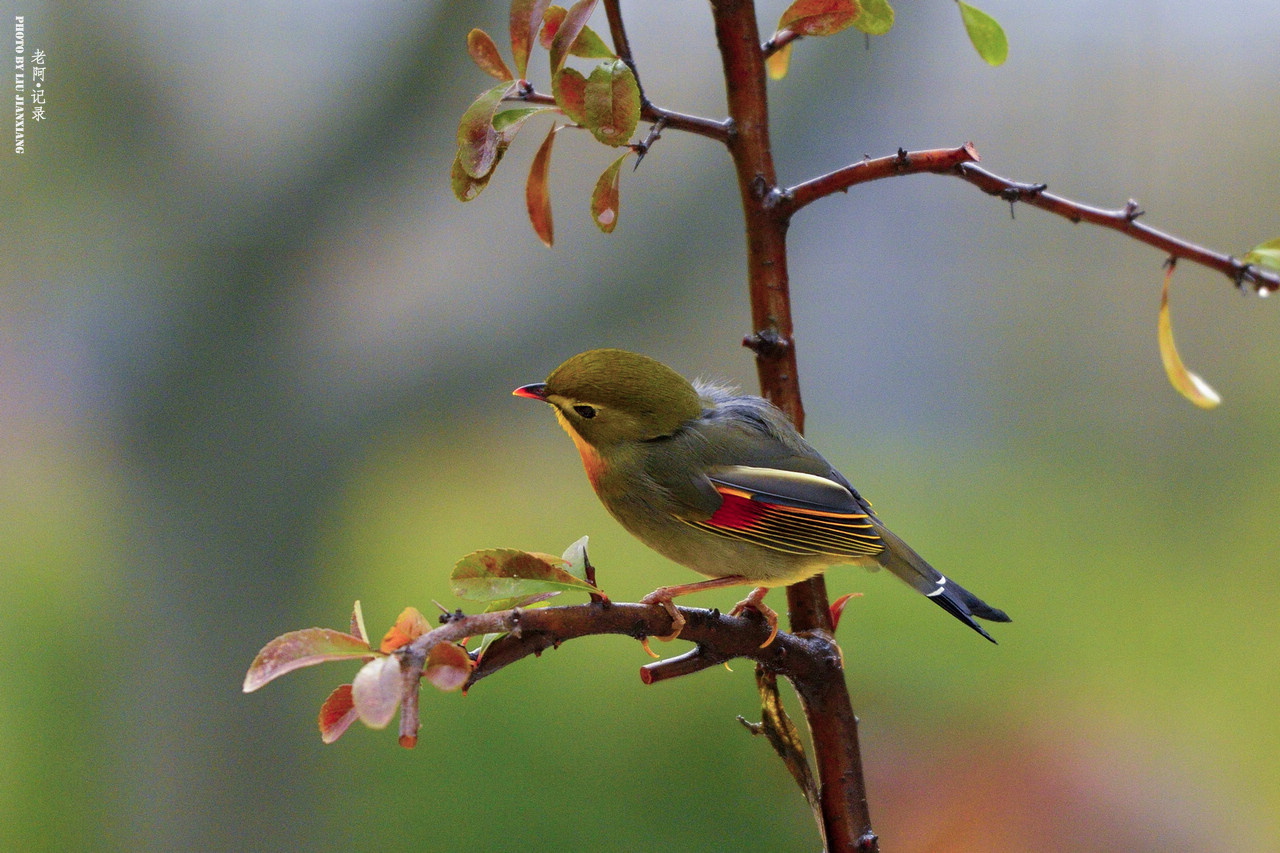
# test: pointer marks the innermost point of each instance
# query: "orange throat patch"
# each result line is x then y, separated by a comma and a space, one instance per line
592, 462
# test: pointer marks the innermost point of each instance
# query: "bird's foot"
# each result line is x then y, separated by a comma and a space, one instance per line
755, 601
663, 596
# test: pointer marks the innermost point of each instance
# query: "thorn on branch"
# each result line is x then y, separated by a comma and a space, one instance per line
1132, 211
766, 343
754, 728
642, 147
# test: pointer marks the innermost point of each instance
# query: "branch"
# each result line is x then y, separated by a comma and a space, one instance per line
961, 162
710, 128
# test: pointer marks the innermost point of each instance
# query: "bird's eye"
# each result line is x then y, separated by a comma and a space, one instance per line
585, 411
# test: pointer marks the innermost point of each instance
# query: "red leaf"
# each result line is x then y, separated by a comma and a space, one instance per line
570, 90
551, 21
448, 666
477, 140
537, 191
297, 649
526, 18
336, 714
410, 625
819, 17
485, 54
605, 198
837, 608
568, 32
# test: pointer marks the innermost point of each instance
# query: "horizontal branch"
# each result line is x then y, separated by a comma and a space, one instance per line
961, 162
710, 128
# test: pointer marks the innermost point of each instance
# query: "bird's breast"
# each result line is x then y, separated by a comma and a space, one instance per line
592, 462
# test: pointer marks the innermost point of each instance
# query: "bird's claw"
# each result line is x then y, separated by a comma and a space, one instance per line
677, 620
755, 601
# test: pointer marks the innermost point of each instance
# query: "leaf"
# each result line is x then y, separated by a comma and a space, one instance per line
336, 714
837, 608
985, 33
485, 54
783, 736
612, 103
1264, 254
410, 625
477, 140
1187, 383
357, 622
448, 666
576, 558
465, 187
537, 192
526, 19
551, 21
499, 573
876, 17
779, 61
509, 122
297, 649
375, 691
819, 17
567, 34
570, 90
605, 197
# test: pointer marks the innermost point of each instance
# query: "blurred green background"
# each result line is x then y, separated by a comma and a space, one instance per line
255, 363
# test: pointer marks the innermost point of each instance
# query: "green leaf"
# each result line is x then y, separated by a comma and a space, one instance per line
509, 122
526, 20
537, 192
570, 90
336, 714
498, 573
1264, 254
567, 34
477, 140
985, 33
612, 102
876, 17
376, 690
465, 187
605, 197
485, 54
576, 558
819, 17
297, 649
1187, 383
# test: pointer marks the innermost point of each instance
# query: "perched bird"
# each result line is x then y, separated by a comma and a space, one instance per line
723, 484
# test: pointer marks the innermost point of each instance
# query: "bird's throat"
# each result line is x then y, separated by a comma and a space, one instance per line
592, 462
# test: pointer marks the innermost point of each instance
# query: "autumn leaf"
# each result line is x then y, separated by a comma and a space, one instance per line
525, 21
837, 608
448, 666
567, 34
297, 649
569, 88
477, 140
410, 625
1187, 383
819, 17
605, 198
537, 192
779, 61
499, 573
375, 691
336, 714
485, 54
612, 103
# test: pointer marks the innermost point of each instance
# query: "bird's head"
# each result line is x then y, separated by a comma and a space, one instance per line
606, 397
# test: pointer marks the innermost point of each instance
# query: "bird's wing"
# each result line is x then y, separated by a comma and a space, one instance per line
789, 511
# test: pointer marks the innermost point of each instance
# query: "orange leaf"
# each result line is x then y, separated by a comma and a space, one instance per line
605, 198
819, 17
1187, 383
485, 54
410, 625
336, 714
526, 18
779, 61
448, 666
837, 608
537, 191
568, 32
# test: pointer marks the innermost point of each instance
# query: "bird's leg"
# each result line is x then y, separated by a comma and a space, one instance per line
663, 595
756, 602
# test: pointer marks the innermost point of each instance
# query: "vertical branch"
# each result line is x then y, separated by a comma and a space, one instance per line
826, 703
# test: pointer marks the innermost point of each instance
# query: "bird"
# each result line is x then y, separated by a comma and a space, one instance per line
723, 484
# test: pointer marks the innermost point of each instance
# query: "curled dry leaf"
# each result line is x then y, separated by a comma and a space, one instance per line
1187, 383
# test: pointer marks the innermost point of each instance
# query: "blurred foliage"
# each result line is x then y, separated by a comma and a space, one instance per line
256, 363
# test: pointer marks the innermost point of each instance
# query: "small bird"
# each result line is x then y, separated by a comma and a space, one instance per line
723, 484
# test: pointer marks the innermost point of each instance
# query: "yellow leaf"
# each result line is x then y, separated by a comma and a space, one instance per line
1187, 383
778, 62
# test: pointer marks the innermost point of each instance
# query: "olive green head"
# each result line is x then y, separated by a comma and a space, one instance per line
609, 396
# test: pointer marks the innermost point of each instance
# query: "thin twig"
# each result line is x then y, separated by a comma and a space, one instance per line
710, 128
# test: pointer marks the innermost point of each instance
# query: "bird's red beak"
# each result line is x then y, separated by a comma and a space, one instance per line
536, 391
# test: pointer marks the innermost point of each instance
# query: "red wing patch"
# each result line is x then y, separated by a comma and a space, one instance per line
792, 530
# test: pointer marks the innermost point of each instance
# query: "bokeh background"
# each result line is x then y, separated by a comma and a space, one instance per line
255, 363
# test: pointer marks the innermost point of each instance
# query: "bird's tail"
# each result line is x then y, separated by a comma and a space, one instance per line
899, 558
